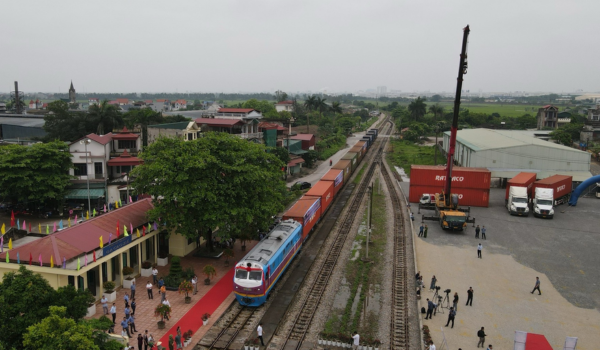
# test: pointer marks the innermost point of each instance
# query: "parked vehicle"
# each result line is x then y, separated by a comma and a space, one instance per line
522, 179
597, 189
543, 203
561, 185
302, 185
518, 201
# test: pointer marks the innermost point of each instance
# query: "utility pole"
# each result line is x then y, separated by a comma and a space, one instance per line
369, 210
17, 99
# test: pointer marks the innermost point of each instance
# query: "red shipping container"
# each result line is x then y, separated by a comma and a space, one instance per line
337, 177
346, 166
561, 184
472, 197
522, 179
306, 211
324, 190
435, 176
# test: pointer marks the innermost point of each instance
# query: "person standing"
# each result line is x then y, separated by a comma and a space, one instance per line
490, 347
259, 331
430, 307
154, 275
163, 293
166, 302
146, 340
355, 340
133, 306
481, 334
127, 312
330, 162
161, 283
421, 230
431, 345
104, 303
425, 232
113, 312
451, 316
125, 326
479, 248
483, 233
195, 284
131, 322
178, 340
477, 229
133, 289
149, 289
126, 298
455, 301
140, 340
537, 286
433, 281
412, 217
470, 296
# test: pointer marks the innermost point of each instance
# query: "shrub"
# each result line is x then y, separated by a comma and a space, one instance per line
188, 274
109, 286
146, 265
162, 310
209, 271
205, 316
175, 269
185, 288
127, 270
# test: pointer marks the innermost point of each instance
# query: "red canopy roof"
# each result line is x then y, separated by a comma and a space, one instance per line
295, 161
125, 159
226, 123
125, 135
82, 238
103, 140
303, 137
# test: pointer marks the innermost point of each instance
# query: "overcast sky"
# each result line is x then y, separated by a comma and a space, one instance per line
301, 45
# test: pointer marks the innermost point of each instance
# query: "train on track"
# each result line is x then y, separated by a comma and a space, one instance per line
258, 272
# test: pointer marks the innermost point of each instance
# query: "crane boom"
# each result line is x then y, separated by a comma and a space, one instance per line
462, 69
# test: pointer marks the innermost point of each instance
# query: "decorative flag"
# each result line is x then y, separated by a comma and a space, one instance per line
7, 257
155, 226
40, 227
149, 227
1, 244
94, 213
18, 223
60, 224
18, 259
110, 238
51, 261
47, 229
69, 222
40, 259
94, 256
85, 262
12, 218
105, 208
138, 232
78, 264
30, 227
10, 243
120, 203
143, 230
75, 222
125, 231
54, 229
130, 201
101, 243
117, 205
24, 226
87, 215
117, 231
3, 228
64, 263
130, 228
30, 258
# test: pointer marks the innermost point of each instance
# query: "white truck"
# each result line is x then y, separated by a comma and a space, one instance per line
518, 201
543, 203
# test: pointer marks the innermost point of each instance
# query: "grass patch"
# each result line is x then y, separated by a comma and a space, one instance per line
404, 153
360, 174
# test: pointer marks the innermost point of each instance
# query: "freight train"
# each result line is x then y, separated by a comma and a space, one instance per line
257, 273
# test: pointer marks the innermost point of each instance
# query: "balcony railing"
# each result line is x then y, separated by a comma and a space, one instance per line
252, 135
92, 177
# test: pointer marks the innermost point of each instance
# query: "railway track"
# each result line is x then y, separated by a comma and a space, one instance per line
297, 333
234, 323
399, 329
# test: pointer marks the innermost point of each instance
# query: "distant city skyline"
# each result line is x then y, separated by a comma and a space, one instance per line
312, 45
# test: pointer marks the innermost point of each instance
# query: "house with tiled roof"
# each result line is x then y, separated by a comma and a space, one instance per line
242, 122
188, 131
547, 117
179, 105
93, 101
284, 106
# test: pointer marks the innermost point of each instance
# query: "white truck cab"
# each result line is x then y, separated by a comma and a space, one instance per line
518, 201
426, 198
543, 203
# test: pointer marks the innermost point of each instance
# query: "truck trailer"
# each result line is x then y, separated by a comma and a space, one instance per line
518, 201
561, 185
522, 180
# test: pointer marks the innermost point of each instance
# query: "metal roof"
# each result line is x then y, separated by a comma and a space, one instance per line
35, 122
262, 252
578, 176
178, 125
487, 139
83, 193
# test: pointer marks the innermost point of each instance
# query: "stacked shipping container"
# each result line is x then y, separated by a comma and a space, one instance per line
472, 185
337, 177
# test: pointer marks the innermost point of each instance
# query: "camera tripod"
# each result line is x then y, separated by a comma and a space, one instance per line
446, 300
439, 308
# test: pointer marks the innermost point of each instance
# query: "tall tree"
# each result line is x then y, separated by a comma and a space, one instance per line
62, 124
143, 118
39, 171
280, 96
417, 108
321, 105
215, 181
336, 107
106, 116
310, 102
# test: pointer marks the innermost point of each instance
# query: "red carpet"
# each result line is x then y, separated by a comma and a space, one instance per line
208, 303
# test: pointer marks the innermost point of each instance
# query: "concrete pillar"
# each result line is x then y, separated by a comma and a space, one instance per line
139, 256
119, 267
155, 238
101, 284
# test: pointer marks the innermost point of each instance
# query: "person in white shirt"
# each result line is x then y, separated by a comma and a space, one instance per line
431, 345
149, 289
195, 284
166, 302
259, 332
479, 247
113, 312
104, 302
356, 338
154, 274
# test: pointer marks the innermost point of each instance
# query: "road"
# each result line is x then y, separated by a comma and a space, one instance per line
324, 167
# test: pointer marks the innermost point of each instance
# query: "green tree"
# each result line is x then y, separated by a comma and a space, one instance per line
280, 96
526, 121
436, 98
310, 157
264, 106
62, 124
175, 119
336, 108
417, 108
345, 125
106, 116
37, 172
216, 181
310, 102
320, 105
56, 332
281, 153
562, 136
143, 118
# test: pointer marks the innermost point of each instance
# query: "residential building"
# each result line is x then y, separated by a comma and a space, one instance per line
547, 117
93, 101
122, 101
161, 105
591, 129
308, 141
179, 104
186, 130
119, 185
242, 122
287, 106
273, 133
125, 140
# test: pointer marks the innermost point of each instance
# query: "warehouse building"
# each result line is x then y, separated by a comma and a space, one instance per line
19, 127
508, 152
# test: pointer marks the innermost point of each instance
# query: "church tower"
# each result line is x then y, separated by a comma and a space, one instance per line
72, 93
